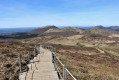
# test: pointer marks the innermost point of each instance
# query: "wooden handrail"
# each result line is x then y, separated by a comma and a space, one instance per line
65, 70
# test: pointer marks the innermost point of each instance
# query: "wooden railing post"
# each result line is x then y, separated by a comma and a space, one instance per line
35, 51
20, 65
52, 49
55, 61
64, 72
29, 56
52, 57
38, 49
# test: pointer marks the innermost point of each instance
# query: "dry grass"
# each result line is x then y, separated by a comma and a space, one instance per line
89, 67
9, 51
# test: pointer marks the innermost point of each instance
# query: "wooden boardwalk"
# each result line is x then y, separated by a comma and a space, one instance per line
41, 68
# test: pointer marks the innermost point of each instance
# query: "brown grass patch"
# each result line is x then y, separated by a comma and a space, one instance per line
89, 67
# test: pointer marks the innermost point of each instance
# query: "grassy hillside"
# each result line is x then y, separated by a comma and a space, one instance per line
88, 63
9, 50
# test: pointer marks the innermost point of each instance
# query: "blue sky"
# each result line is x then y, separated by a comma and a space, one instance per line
31, 13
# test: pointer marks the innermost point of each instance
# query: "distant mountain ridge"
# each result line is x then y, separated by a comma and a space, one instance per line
70, 31
115, 28
53, 30
100, 31
66, 31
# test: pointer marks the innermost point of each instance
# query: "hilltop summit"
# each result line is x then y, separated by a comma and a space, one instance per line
66, 31
41, 30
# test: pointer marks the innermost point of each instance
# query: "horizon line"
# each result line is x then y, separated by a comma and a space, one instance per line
60, 26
